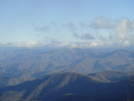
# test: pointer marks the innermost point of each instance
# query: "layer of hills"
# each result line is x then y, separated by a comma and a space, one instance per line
32, 63
105, 76
68, 87
66, 75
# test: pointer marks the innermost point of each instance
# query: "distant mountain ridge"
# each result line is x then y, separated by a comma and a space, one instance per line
35, 62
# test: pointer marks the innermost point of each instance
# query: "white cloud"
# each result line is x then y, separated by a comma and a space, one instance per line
122, 29
23, 44
126, 43
94, 44
101, 23
83, 44
27, 44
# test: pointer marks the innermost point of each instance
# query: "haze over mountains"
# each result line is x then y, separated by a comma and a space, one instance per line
34, 62
65, 74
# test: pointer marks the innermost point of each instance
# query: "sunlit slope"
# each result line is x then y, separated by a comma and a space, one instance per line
112, 76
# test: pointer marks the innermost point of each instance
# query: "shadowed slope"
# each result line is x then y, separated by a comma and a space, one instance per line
63, 86
54, 85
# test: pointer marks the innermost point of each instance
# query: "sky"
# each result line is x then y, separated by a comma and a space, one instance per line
67, 23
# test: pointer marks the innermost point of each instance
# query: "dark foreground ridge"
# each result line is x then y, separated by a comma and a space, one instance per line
66, 87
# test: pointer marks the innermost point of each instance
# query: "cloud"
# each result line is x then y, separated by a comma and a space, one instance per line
22, 44
100, 23
83, 25
108, 32
56, 43
28, 44
103, 33
80, 44
80, 31
71, 26
86, 36
120, 30
102, 38
94, 44
50, 43
132, 24
126, 43
124, 28
42, 29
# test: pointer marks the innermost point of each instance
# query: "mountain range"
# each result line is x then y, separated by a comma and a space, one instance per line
66, 74
32, 63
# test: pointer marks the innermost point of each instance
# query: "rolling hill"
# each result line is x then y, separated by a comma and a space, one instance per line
32, 63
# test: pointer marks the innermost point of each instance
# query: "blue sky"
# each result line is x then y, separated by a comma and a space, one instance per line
70, 23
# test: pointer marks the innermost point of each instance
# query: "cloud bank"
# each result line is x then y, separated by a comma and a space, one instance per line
100, 32
122, 29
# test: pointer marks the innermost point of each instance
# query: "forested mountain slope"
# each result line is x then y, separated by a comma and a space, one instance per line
32, 63
62, 86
